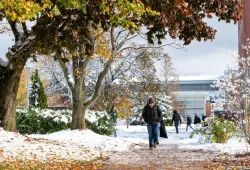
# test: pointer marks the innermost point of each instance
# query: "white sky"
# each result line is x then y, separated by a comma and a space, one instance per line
6, 42
203, 58
211, 57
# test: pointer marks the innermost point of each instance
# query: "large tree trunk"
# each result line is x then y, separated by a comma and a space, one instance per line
10, 74
9, 81
78, 121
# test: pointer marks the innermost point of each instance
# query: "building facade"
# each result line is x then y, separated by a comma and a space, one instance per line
195, 94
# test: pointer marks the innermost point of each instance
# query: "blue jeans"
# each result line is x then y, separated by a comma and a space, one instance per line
176, 123
153, 133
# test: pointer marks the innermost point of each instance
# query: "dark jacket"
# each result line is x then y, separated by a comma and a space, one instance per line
203, 117
176, 117
189, 120
197, 120
152, 115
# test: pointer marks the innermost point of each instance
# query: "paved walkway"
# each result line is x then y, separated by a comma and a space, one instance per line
162, 157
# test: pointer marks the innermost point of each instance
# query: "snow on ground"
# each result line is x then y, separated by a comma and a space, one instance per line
16, 146
88, 139
86, 145
66, 144
182, 139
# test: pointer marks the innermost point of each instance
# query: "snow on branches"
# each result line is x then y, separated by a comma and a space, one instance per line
236, 87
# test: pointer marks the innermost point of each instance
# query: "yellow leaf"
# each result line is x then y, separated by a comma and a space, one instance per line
107, 9
13, 15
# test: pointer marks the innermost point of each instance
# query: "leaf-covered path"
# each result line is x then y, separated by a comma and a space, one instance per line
168, 157
172, 157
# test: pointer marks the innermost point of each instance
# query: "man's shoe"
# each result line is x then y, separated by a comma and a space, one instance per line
155, 144
150, 148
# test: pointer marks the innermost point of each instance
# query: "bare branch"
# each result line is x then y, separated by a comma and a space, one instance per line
102, 75
99, 84
65, 70
148, 47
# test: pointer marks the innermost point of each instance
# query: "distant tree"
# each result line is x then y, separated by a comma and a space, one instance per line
38, 98
235, 86
168, 75
55, 84
133, 77
126, 67
125, 109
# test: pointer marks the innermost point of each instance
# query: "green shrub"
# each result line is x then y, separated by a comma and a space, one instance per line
100, 122
167, 122
37, 121
167, 119
218, 130
38, 98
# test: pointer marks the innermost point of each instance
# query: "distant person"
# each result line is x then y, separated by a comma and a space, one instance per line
189, 122
197, 121
176, 119
152, 115
114, 116
203, 119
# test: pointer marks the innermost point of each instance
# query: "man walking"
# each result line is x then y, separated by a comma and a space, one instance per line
176, 119
197, 119
189, 121
197, 122
152, 115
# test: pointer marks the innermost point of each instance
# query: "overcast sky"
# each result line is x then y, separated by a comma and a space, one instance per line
211, 57
204, 58
6, 41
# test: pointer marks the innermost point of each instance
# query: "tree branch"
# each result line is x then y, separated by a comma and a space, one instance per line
102, 75
148, 47
25, 29
65, 70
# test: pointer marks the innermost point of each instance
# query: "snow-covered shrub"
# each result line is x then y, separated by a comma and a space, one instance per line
100, 122
167, 120
42, 121
48, 121
165, 104
218, 130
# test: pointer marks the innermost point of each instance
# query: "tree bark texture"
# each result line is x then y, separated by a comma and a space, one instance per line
9, 83
78, 114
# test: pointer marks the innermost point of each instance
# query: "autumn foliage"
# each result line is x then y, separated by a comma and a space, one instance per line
21, 95
125, 109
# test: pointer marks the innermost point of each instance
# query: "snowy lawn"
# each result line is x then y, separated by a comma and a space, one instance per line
86, 145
